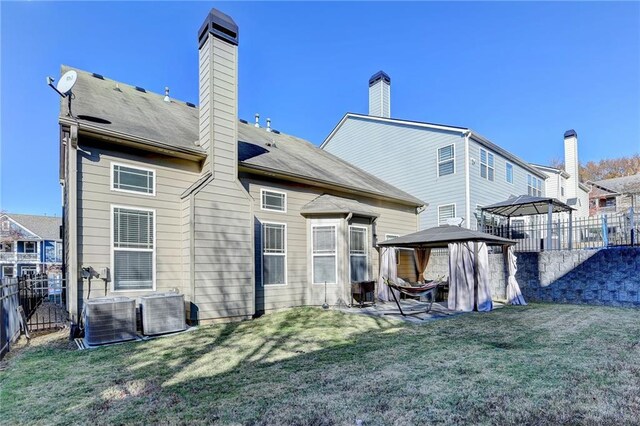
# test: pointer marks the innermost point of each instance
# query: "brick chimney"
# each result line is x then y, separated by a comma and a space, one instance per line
571, 164
380, 95
218, 94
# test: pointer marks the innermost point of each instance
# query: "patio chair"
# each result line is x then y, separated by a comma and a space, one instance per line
427, 289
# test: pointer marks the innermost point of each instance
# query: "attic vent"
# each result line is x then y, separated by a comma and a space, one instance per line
140, 89
99, 76
244, 121
190, 104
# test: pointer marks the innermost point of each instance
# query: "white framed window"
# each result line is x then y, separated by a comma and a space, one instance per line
6, 247
534, 186
30, 247
274, 253
6, 225
446, 160
28, 270
8, 271
358, 253
445, 212
274, 201
133, 179
487, 169
324, 254
133, 248
509, 175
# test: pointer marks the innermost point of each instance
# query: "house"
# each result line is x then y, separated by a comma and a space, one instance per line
615, 195
456, 169
160, 194
29, 244
564, 184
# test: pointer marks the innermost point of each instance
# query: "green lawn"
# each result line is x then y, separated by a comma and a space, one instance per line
540, 364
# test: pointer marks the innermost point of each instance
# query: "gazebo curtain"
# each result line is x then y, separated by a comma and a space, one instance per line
469, 277
388, 269
514, 296
421, 256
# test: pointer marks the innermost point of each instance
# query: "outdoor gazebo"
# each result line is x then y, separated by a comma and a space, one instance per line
468, 263
526, 205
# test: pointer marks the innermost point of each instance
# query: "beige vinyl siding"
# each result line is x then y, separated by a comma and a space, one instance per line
95, 199
223, 261
394, 219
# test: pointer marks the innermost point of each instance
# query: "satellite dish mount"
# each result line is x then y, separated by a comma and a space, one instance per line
64, 86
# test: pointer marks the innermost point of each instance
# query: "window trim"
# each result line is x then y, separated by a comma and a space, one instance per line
286, 275
493, 168
112, 250
13, 271
263, 208
453, 158
506, 173
447, 205
35, 247
532, 183
333, 225
132, 166
366, 249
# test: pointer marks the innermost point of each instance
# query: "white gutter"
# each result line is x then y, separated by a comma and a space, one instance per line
467, 186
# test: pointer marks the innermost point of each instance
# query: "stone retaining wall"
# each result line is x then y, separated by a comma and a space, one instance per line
600, 277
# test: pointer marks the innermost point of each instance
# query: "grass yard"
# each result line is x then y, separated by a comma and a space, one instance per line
540, 364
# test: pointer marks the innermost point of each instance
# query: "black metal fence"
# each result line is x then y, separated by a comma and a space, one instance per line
582, 233
32, 302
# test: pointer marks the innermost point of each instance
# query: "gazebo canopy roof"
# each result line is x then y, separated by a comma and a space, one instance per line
526, 205
441, 236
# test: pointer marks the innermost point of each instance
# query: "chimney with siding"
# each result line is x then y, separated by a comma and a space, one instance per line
380, 95
571, 164
218, 94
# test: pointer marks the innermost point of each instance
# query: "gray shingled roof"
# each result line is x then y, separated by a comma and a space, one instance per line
622, 185
128, 111
46, 227
327, 203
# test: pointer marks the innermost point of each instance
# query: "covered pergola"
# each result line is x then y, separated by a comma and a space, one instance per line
468, 263
527, 205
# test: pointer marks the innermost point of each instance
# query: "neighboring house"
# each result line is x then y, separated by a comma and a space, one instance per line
29, 244
616, 195
160, 195
564, 184
454, 168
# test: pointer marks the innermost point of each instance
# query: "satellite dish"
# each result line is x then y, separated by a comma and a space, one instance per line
67, 81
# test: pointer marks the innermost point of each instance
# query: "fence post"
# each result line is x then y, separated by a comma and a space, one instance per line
570, 230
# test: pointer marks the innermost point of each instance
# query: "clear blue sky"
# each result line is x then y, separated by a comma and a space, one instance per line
518, 73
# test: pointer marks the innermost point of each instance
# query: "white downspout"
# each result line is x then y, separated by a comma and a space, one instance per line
467, 189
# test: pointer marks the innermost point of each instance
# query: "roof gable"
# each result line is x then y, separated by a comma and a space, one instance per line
34, 226
439, 127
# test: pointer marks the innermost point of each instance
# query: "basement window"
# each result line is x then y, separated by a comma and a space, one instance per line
138, 180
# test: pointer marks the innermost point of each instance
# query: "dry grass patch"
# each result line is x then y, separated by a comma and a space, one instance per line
541, 364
